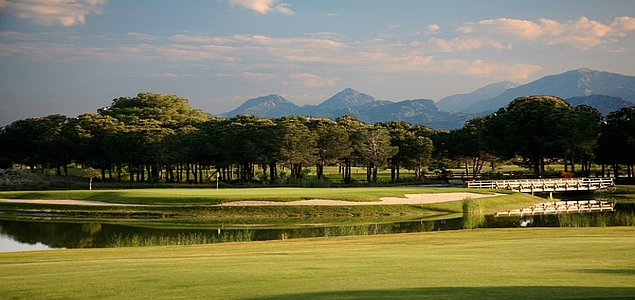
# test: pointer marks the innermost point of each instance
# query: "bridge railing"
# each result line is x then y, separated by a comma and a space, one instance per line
546, 185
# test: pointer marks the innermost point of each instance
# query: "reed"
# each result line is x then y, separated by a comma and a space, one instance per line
473, 216
597, 219
194, 238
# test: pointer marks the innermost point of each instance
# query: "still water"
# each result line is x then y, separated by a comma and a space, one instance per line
18, 235
32, 235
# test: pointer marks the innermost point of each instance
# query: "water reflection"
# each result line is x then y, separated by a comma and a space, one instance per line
101, 235
9, 244
25, 235
95, 235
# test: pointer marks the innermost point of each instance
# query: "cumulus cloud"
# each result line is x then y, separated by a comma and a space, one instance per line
433, 29
503, 27
583, 33
624, 23
263, 6
53, 12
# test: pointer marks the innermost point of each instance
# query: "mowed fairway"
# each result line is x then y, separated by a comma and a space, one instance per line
538, 263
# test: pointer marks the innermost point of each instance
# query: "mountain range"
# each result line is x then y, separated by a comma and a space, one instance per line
604, 91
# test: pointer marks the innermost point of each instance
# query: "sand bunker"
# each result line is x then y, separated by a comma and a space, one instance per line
410, 199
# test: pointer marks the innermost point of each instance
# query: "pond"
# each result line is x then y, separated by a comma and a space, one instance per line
18, 235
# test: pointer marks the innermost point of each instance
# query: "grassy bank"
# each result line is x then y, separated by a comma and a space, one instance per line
189, 207
213, 196
562, 263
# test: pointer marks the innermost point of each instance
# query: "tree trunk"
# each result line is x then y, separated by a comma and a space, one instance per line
319, 168
393, 175
375, 173
273, 172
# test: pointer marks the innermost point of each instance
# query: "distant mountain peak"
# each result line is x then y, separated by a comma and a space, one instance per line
270, 106
347, 98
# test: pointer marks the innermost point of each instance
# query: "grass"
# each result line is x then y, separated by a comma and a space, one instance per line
213, 196
190, 208
556, 263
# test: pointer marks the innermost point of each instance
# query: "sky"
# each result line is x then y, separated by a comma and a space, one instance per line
75, 56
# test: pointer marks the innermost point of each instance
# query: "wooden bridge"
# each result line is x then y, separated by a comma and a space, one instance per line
545, 185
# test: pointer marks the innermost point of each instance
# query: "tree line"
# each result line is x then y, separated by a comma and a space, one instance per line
158, 137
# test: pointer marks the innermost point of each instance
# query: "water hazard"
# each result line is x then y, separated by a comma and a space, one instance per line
32, 235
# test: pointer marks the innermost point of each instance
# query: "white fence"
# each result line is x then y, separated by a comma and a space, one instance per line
545, 185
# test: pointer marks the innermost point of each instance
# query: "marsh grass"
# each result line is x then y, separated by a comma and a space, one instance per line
195, 238
473, 216
597, 219
347, 230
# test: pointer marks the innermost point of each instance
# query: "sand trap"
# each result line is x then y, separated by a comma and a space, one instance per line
410, 199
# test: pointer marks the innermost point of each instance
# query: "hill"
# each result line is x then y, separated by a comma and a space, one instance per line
604, 104
460, 102
576, 83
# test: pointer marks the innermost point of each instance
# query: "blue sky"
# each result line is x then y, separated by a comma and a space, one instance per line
74, 56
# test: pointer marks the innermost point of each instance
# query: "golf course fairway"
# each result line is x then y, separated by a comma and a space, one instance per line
532, 263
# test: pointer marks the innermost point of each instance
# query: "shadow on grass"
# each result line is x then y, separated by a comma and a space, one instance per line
612, 272
511, 292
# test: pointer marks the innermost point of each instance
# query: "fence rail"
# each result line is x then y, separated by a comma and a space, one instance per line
545, 185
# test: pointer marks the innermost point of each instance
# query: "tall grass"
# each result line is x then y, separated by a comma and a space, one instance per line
597, 219
347, 230
473, 216
195, 238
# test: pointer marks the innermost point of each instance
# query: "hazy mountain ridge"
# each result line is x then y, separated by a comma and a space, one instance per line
362, 106
576, 83
459, 102
577, 87
603, 103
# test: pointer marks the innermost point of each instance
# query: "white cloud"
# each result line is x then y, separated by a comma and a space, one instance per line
624, 23
263, 6
312, 80
258, 77
464, 44
488, 68
583, 33
433, 29
53, 12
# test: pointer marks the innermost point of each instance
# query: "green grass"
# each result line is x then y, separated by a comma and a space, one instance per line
213, 196
190, 208
556, 263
